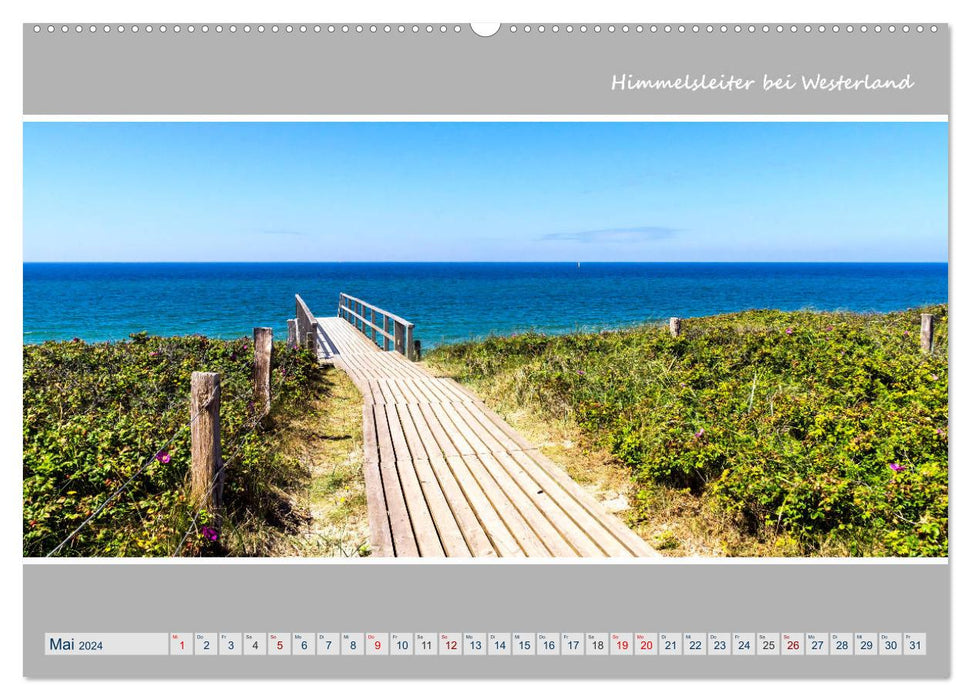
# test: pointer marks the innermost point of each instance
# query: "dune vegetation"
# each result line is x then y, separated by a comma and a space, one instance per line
106, 434
810, 433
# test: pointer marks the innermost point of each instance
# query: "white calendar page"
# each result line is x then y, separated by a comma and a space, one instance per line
709, 638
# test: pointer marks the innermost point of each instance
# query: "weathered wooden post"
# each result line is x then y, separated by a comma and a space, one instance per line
206, 483
262, 361
384, 338
675, 325
291, 332
927, 332
410, 341
399, 336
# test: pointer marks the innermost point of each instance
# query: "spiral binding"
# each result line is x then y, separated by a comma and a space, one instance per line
438, 29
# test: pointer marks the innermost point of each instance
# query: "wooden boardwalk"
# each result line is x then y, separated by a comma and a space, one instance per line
446, 476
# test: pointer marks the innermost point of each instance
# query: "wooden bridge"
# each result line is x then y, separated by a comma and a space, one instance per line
445, 475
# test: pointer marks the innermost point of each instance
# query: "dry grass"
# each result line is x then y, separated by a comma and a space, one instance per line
327, 443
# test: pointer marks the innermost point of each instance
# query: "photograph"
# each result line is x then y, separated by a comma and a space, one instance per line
625, 339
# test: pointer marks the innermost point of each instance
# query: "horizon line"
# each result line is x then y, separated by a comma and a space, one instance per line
486, 262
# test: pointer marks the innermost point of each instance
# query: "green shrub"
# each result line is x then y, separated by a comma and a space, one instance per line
821, 427
95, 416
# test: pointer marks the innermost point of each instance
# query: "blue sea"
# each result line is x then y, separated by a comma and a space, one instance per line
447, 302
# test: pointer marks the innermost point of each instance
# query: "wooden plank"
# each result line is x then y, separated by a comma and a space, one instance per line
548, 522
426, 450
582, 518
634, 544
445, 445
466, 441
407, 392
446, 475
606, 526
503, 426
422, 523
449, 533
500, 504
478, 541
612, 525
374, 389
433, 390
506, 544
529, 496
377, 509
461, 388
572, 532
442, 415
393, 392
484, 441
504, 502
401, 533
488, 431
502, 540
552, 542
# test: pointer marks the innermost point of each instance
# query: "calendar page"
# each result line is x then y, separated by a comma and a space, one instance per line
542, 350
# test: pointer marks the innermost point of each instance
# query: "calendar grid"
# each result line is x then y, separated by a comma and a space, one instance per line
485, 644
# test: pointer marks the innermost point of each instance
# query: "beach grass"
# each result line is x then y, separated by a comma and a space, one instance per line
327, 443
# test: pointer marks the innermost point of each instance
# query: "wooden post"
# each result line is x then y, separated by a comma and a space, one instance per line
675, 325
384, 338
207, 478
262, 361
399, 337
927, 332
410, 341
291, 332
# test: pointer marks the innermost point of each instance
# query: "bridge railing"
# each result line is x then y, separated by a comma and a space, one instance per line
387, 330
305, 326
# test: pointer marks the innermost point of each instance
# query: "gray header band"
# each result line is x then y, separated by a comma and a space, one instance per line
222, 69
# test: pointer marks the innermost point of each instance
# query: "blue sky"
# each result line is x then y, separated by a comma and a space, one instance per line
485, 191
